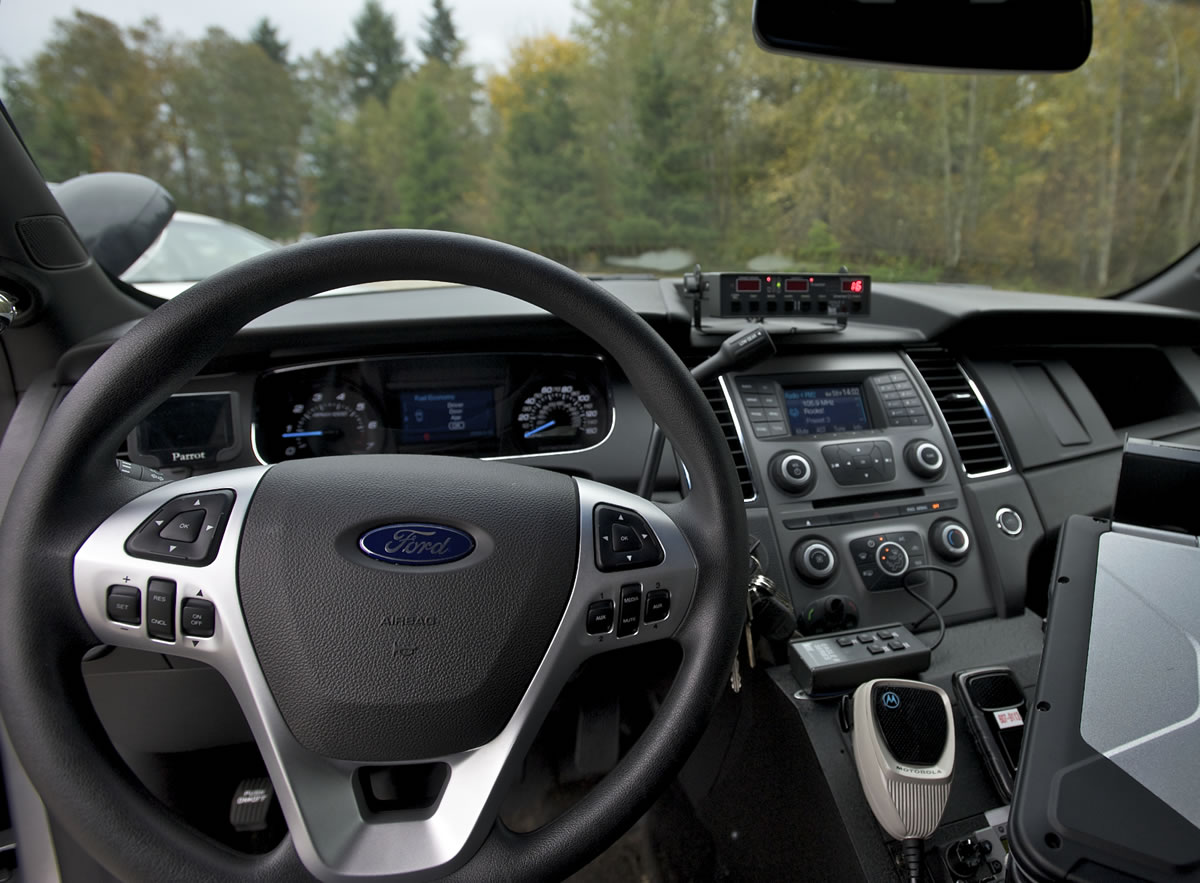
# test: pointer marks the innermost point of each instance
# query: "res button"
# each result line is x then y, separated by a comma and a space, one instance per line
160, 609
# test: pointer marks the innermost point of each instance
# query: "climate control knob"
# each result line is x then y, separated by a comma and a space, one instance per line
792, 472
924, 458
892, 559
815, 560
949, 539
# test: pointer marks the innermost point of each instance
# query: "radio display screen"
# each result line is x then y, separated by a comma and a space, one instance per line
447, 415
821, 410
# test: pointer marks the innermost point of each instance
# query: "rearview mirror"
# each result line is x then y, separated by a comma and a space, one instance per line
968, 35
117, 215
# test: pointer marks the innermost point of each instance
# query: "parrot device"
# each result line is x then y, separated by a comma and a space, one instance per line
902, 733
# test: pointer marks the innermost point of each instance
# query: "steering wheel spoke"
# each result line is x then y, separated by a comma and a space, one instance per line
635, 578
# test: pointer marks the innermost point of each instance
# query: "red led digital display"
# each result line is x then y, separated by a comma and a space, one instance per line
749, 286
796, 285
854, 285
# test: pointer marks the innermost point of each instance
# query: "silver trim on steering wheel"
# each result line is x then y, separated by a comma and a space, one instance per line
335, 839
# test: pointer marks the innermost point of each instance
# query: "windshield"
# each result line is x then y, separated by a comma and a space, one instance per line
623, 135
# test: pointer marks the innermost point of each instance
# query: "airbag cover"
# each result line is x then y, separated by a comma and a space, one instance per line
371, 661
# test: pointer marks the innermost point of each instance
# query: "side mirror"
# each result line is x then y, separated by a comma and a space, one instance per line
1034, 36
117, 215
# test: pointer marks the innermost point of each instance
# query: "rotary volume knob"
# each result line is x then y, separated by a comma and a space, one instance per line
792, 472
924, 458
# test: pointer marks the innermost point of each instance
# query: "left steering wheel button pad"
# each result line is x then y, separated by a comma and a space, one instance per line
186, 530
624, 540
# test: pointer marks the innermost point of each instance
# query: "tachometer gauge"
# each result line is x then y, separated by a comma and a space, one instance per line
560, 416
339, 421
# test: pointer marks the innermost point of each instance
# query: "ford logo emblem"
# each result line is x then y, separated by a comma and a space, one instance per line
416, 544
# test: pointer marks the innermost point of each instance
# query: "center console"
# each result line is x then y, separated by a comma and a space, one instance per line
862, 490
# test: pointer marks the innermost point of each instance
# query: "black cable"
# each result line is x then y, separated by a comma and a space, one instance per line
949, 595
911, 850
934, 611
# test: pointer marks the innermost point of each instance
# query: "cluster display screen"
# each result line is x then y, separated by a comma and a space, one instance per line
447, 415
820, 410
187, 427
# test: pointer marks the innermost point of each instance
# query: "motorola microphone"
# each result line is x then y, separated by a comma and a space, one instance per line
903, 738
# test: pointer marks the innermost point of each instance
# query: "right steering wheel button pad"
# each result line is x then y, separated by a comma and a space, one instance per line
186, 530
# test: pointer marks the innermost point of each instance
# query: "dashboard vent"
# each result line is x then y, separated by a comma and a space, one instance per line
966, 415
715, 394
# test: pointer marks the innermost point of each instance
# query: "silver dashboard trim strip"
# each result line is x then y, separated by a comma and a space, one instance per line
737, 426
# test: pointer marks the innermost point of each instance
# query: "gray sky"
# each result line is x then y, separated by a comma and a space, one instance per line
490, 27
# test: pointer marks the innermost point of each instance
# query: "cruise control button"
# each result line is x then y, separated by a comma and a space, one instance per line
185, 526
600, 617
197, 618
160, 609
631, 610
658, 605
124, 604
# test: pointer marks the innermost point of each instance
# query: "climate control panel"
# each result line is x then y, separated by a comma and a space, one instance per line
884, 559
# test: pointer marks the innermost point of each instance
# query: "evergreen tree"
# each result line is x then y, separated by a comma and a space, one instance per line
441, 42
266, 36
375, 54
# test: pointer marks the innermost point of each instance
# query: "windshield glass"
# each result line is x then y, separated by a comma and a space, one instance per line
624, 135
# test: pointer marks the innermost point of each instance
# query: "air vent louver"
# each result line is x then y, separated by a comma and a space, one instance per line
970, 425
720, 405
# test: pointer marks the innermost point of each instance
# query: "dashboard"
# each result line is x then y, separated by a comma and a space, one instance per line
933, 447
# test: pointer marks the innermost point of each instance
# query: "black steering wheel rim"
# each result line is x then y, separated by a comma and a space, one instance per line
68, 487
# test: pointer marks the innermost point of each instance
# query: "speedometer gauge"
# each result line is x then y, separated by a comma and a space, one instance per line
337, 421
560, 416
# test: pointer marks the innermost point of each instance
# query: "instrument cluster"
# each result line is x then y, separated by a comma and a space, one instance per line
489, 405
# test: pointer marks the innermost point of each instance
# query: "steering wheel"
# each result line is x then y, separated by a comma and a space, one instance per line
378, 618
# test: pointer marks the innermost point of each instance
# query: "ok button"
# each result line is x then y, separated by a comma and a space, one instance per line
184, 527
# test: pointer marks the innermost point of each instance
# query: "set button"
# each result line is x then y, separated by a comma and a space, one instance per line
124, 605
